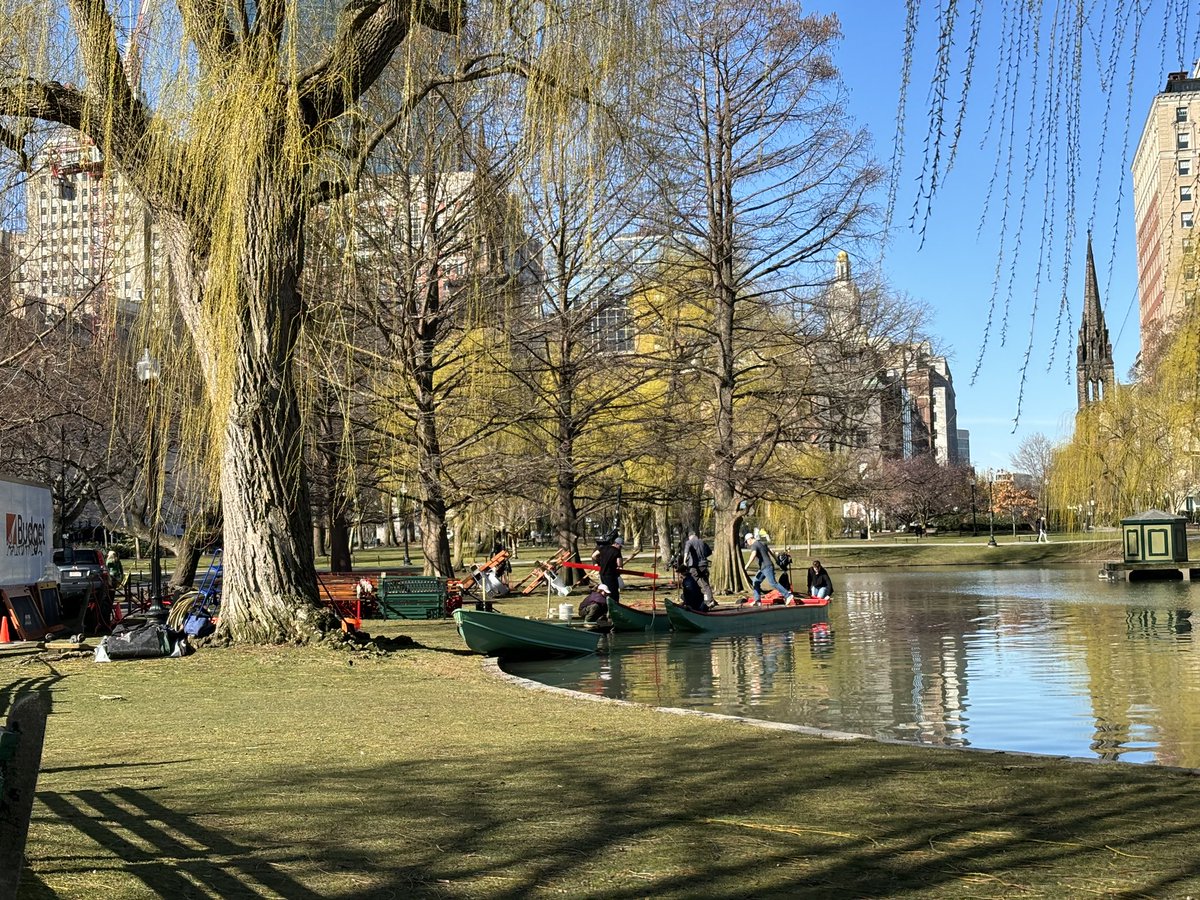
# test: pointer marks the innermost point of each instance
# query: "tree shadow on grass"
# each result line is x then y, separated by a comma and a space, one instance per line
754, 815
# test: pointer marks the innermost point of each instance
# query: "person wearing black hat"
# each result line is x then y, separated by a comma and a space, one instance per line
608, 558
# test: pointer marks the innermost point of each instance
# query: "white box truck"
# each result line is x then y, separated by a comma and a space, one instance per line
27, 555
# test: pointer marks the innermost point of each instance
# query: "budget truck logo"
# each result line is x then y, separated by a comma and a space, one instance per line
23, 537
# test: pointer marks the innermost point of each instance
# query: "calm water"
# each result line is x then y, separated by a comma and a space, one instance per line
1048, 661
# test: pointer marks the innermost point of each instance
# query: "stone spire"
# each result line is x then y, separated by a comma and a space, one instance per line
1094, 374
845, 301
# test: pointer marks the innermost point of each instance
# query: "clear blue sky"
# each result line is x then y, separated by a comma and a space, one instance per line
954, 270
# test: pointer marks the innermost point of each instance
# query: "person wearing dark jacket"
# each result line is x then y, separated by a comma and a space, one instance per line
819, 583
595, 605
695, 563
608, 558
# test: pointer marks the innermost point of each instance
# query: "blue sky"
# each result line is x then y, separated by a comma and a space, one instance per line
954, 269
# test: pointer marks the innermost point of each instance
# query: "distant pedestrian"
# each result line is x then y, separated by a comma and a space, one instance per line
760, 553
116, 572
1043, 538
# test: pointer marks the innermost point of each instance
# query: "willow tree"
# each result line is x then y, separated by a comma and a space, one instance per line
762, 177
258, 118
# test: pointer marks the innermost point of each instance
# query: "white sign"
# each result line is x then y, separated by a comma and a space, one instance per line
28, 516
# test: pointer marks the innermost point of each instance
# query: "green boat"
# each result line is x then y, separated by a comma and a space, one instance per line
627, 618
731, 619
497, 634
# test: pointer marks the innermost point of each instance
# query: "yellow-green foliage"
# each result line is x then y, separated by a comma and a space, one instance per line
1136, 448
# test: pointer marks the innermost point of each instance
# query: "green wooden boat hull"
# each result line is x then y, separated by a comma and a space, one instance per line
626, 618
497, 634
735, 619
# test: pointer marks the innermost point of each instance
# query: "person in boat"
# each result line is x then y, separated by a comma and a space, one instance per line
695, 564
819, 582
691, 594
608, 558
760, 553
595, 605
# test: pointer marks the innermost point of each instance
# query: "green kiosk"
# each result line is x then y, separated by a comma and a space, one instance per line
1155, 537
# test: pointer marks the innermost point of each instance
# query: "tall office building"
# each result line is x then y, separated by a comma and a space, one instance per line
88, 237
1164, 197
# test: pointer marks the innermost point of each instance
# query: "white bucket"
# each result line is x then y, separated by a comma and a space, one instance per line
565, 611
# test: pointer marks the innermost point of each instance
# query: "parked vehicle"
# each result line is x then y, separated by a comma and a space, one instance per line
80, 568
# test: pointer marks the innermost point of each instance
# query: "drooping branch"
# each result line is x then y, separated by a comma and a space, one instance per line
208, 28
105, 71
368, 33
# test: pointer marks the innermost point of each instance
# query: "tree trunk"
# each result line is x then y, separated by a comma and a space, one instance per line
201, 532
662, 530
270, 585
340, 557
728, 567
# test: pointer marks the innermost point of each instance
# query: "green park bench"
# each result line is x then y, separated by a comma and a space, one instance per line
412, 597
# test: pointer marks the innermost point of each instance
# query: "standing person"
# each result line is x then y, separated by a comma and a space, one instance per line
608, 557
760, 553
819, 583
695, 563
1042, 538
116, 572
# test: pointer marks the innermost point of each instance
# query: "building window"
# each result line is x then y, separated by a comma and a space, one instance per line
612, 328
1182, 141
1181, 114
1185, 219
1185, 167
1185, 192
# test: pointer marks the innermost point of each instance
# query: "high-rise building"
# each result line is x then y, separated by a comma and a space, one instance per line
1164, 198
87, 239
1094, 373
964, 447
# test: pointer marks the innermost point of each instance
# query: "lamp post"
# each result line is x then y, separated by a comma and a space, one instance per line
974, 521
147, 373
1092, 514
991, 508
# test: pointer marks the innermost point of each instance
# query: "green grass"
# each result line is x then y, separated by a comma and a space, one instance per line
305, 773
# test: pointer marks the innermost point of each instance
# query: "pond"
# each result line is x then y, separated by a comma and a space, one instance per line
1050, 661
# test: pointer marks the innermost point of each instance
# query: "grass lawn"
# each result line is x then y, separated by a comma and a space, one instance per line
306, 773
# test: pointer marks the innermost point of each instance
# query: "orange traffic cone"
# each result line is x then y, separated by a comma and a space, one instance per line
4, 636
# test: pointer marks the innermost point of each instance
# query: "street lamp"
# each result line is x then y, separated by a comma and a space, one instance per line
991, 508
1092, 514
148, 373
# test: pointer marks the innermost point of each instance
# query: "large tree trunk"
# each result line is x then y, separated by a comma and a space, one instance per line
269, 586
728, 567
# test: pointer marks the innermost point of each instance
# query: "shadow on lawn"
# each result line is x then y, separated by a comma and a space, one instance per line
582, 818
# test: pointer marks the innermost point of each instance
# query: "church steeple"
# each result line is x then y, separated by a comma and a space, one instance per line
1094, 372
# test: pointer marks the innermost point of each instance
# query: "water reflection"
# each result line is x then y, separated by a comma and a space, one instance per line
1047, 661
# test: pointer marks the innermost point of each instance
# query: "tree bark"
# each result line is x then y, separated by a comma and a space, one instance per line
270, 586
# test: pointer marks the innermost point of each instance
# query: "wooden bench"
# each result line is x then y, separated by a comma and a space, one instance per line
339, 591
